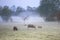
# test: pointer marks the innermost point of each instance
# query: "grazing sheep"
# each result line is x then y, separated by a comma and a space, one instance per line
39, 26
31, 26
15, 28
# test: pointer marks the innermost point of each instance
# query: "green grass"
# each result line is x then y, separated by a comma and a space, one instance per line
46, 33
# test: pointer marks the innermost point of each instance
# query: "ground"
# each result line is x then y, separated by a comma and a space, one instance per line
49, 31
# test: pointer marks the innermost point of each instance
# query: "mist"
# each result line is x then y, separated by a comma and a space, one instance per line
32, 17
29, 19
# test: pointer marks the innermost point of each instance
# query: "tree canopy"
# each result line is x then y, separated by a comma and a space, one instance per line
48, 7
6, 13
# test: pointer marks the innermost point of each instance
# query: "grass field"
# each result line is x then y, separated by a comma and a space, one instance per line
49, 31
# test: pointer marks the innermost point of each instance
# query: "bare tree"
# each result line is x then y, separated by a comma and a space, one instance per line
24, 19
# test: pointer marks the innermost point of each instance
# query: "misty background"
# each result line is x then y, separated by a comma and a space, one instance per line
29, 11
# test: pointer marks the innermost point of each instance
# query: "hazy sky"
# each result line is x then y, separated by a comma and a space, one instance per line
22, 3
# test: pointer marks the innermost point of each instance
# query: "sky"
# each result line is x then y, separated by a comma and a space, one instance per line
22, 3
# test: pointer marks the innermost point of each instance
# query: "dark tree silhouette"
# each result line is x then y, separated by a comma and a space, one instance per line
48, 7
24, 19
6, 13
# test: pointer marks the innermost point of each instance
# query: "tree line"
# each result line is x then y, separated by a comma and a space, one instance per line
48, 8
6, 12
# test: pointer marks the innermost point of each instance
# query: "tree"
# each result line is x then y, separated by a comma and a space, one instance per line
18, 10
13, 9
47, 7
29, 8
0, 10
25, 18
6, 13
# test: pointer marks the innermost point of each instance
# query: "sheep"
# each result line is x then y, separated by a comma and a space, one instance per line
31, 26
39, 26
15, 28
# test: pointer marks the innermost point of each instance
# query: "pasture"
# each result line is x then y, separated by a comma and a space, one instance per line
49, 31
